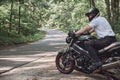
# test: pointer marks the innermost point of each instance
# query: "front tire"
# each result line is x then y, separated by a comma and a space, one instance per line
64, 65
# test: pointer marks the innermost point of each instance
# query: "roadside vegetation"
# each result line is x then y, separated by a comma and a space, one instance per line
21, 20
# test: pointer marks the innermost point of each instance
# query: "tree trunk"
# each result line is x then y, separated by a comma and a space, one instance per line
10, 24
92, 3
19, 22
108, 10
33, 8
115, 12
112, 7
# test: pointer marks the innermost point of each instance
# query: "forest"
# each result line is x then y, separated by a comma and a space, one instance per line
21, 20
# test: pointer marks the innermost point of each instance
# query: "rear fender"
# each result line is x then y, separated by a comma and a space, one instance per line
116, 48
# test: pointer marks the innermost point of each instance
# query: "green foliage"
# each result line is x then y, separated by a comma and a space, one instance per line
32, 17
67, 14
20, 38
63, 14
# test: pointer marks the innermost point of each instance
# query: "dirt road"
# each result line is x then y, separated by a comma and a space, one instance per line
36, 61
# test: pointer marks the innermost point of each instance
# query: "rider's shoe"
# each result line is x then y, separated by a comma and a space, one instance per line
94, 66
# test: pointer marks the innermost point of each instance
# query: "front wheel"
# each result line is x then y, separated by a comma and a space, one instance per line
64, 64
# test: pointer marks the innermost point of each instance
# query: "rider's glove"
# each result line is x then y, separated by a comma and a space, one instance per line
73, 35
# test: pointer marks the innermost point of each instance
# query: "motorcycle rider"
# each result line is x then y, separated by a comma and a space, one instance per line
105, 34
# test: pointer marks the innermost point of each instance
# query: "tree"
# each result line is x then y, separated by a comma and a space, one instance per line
113, 14
19, 22
10, 22
108, 9
92, 3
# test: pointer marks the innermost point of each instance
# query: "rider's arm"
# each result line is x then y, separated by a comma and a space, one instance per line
92, 30
86, 28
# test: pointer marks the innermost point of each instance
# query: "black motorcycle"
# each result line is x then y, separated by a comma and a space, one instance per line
75, 57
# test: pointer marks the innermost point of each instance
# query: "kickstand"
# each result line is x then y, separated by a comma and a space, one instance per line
108, 74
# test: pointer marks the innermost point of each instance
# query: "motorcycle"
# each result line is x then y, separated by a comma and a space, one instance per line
75, 57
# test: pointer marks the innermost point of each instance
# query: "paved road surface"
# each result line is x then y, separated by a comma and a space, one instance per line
36, 61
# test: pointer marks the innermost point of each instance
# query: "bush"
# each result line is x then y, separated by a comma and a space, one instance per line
13, 39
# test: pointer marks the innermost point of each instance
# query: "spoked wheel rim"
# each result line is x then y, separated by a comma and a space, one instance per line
65, 66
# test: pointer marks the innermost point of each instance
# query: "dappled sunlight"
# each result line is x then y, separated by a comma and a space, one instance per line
5, 68
53, 44
52, 39
29, 68
56, 35
12, 49
17, 59
45, 54
35, 52
44, 60
13, 62
42, 63
36, 59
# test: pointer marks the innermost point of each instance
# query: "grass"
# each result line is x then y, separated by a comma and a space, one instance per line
20, 39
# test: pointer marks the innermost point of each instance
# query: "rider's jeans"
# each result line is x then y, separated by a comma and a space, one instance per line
92, 46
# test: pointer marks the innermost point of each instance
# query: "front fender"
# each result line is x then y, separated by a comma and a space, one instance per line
61, 51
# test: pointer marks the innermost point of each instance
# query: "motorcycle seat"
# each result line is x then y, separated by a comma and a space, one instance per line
115, 44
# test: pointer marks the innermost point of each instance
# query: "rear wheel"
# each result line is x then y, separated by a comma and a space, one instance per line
64, 64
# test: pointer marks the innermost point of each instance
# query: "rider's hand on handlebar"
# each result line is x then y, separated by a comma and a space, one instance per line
86, 33
73, 35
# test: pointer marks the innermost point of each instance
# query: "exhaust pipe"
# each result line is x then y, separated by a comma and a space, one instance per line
111, 65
